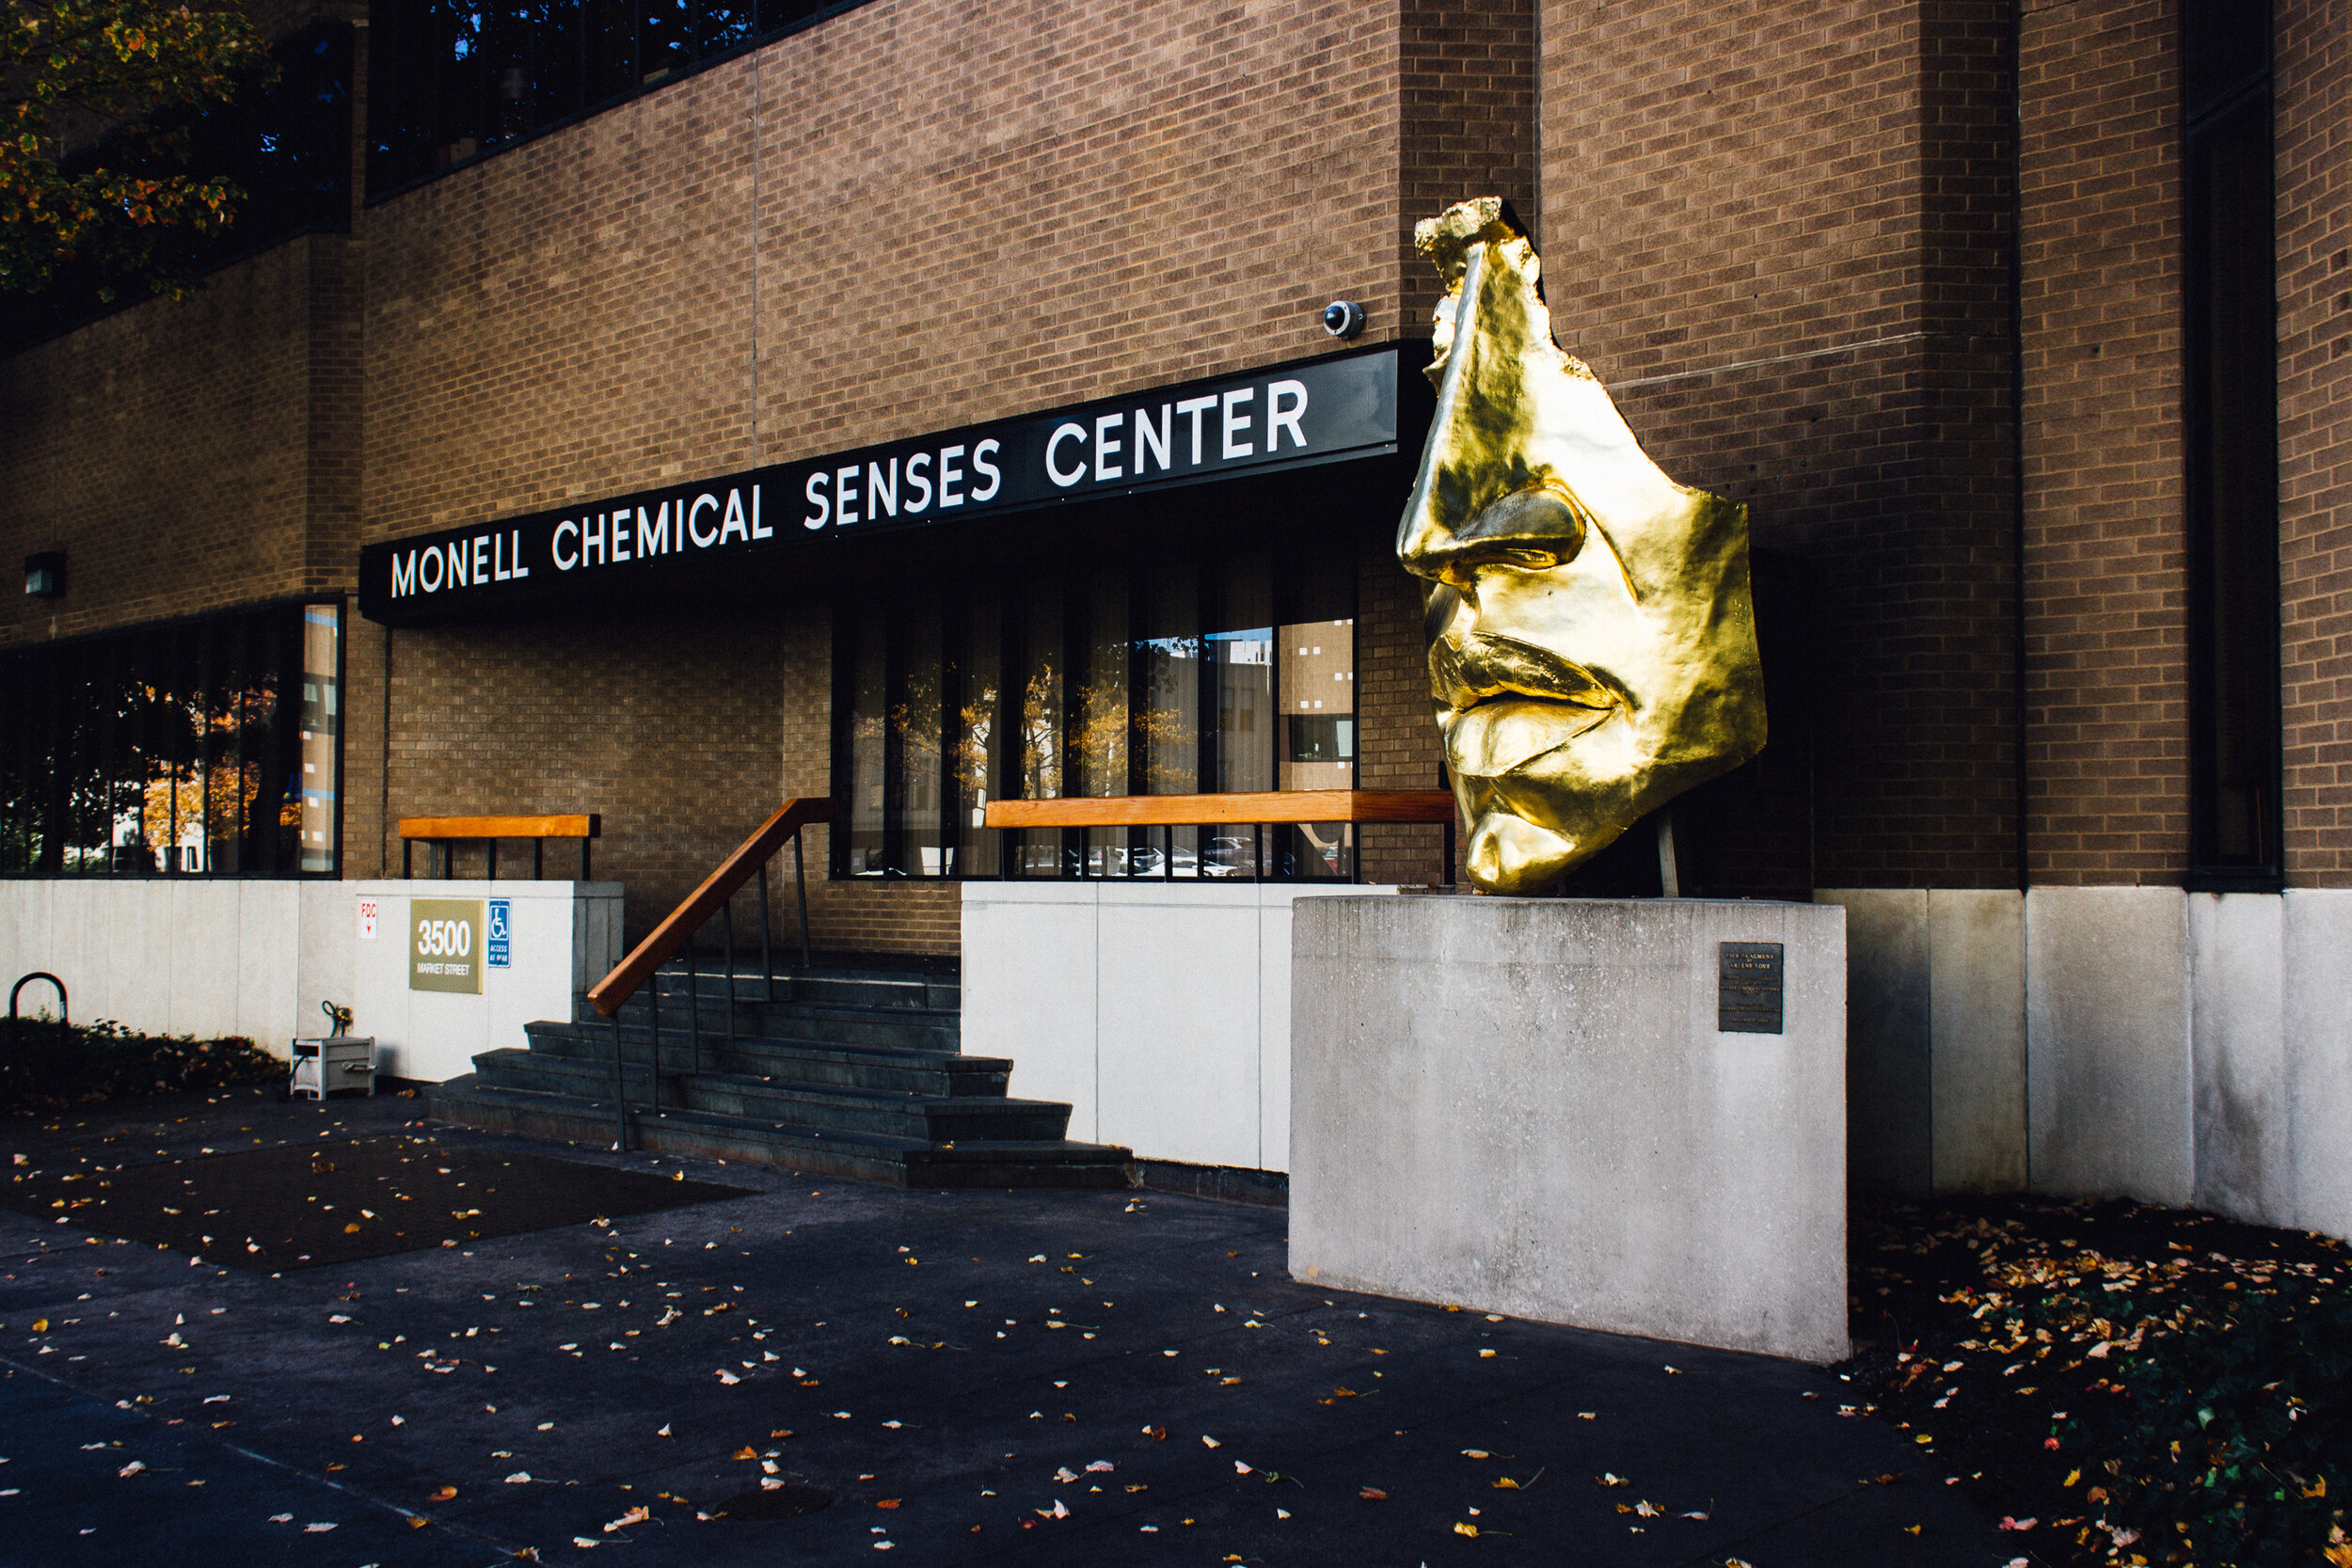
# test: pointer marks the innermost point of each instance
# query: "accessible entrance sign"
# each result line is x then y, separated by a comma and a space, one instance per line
445, 944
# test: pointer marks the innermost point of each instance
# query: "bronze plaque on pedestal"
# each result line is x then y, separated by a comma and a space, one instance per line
1747, 988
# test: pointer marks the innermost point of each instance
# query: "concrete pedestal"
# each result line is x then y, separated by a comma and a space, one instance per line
1525, 1106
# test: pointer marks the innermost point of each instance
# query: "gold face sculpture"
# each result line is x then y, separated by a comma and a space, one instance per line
1592, 643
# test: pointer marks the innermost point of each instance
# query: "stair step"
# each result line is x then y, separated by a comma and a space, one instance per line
845, 987
879, 1067
913, 1027
902, 1114
873, 1157
846, 1069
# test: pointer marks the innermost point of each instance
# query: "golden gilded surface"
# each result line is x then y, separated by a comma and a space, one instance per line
1592, 640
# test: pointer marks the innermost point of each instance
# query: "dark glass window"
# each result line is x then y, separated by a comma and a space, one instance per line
452, 80
1123, 679
201, 748
2231, 416
288, 144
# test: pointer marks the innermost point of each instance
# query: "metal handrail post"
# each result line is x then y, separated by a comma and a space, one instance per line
620, 1090
653, 1000
726, 917
767, 957
694, 1003
799, 877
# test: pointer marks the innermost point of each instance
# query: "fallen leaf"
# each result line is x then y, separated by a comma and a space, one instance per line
887, 1502
1211, 1442
635, 1515
1607, 1479
1373, 1494
1475, 1453
443, 1494
1505, 1483
518, 1479
316, 1530
1460, 1529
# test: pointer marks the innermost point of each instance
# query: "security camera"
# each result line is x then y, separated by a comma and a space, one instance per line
1342, 318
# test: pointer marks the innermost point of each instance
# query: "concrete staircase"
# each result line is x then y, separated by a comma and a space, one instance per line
849, 1070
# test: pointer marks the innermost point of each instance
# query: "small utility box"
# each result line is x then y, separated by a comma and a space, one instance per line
335, 1061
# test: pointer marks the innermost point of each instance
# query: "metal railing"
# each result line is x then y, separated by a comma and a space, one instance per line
677, 932
65, 1011
1255, 810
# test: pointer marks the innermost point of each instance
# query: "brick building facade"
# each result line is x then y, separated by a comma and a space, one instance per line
1917, 283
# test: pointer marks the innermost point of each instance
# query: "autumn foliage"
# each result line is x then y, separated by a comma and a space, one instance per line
93, 150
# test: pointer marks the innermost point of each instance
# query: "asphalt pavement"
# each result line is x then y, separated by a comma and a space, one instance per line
1026, 1377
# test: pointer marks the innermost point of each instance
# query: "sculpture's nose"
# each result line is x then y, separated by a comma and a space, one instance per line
1528, 531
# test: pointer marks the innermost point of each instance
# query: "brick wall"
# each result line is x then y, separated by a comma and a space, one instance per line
167, 449
1468, 83
2313, 85
2106, 631
1779, 234
1397, 743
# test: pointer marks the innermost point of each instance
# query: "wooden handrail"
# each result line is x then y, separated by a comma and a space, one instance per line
1181, 811
609, 995
590, 826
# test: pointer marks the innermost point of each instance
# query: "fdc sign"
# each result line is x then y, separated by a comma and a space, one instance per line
445, 944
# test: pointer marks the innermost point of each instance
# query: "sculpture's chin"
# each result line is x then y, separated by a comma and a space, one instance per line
1509, 854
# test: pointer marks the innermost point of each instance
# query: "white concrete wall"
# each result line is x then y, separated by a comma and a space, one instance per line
167, 956
567, 936
2180, 1048
1936, 1065
2107, 1042
1162, 1013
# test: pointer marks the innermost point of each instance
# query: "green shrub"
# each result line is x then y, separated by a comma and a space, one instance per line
2230, 1444
47, 1066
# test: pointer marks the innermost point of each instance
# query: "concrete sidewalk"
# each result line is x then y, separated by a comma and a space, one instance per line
947, 1365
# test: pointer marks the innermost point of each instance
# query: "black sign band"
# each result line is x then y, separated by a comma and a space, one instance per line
1316, 411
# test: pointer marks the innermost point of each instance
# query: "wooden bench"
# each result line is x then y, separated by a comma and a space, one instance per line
448, 831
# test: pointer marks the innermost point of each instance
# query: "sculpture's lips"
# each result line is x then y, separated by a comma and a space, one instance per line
1502, 733
1479, 669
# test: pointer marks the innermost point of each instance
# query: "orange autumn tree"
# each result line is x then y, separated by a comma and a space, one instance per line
92, 158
